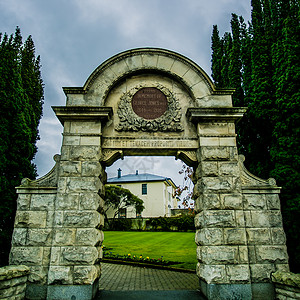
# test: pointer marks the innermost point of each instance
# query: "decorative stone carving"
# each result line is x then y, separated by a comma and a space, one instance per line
188, 157
130, 121
49, 180
110, 156
248, 179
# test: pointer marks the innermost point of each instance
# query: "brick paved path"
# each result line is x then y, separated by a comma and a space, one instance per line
129, 278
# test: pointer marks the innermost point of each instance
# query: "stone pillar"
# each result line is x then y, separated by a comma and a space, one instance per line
223, 264
77, 236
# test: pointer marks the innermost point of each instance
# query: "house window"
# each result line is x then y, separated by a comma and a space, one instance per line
144, 189
122, 213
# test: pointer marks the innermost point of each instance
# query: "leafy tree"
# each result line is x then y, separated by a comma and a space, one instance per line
264, 67
118, 198
20, 91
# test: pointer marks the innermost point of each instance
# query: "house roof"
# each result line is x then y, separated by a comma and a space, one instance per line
145, 177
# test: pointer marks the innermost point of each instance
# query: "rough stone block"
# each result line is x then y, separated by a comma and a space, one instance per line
42, 201
243, 255
209, 236
79, 255
68, 201
70, 168
19, 237
238, 273
261, 272
85, 153
228, 141
219, 218
85, 127
213, 129
58, 218
39, 237
271, 254
91, 168
212, 273
26, 255
89, 237
64, 237
273, 201
235, 236
252, 254
254, 202
258, 236
209, 141
60, 275
80, 184
217, 255
90, 219
240, 218
86, 274
211, 201
30, 219
90, 201
209, 168
71, 140
217, 184
23, 201
199, 220
248, 219
38, 274
228, 168
260, 218
90, 140
232, 201
278, 236
215, 153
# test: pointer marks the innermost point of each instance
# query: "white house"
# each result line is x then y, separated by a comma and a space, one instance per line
157, 192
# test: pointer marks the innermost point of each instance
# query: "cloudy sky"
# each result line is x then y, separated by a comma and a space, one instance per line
73, 37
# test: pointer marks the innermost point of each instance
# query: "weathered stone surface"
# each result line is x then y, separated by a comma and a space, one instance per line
271, 254
209, 168
68, 201
31, 219
215, 153
91, 168
39, 237
216, 255
212, 273
42, 201
85, 153
64, 237
266, 218
26, 255
261, 272
254, 202
90, 201
90, 219
287, 278
13, 271
89, 237
217, 184
19, 237
232, 201
80, 184
60, 275
209, 236
278, 236
38, 274
235, 236
240, 218
258, 236
70, 168
79, 255
211, 201
86, 275
219, 218
228, 168
273, 201
243, 254
238, 273
23, 201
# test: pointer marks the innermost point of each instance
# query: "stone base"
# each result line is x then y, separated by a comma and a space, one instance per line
255, 291
73, 292
226, 291
36, 291
58, 292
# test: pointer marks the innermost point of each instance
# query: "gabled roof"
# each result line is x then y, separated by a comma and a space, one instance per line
140, 178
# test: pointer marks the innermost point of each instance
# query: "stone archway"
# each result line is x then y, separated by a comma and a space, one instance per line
58, 223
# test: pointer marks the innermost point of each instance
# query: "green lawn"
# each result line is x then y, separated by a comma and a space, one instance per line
173, 246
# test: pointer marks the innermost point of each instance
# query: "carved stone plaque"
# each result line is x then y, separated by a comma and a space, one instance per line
149, 103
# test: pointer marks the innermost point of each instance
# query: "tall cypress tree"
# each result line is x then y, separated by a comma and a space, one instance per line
21, 96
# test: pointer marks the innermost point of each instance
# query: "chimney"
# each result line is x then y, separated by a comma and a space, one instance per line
119, 173
137, 172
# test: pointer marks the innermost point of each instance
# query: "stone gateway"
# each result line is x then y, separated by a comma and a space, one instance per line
149, 102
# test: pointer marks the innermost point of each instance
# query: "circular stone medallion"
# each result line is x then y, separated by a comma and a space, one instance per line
149, 103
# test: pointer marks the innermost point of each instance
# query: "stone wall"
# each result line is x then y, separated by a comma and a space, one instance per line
287, 285
13, 281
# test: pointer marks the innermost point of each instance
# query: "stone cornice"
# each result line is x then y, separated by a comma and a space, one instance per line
82, 113
73, 90
230, 114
